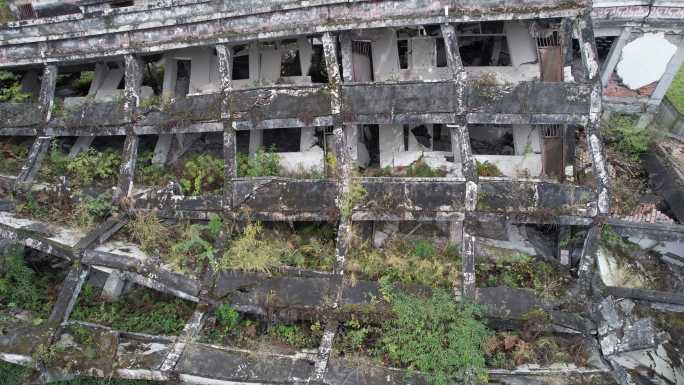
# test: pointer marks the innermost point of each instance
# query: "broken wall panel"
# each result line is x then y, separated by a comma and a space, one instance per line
18, 115
302, 106
285, 197
529, 98
405, 102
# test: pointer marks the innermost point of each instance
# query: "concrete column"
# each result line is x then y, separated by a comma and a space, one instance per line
30, 168
114, 286
347, 61
170, 77
667, 78
455, 65
352, 131
46, 98
40, 147
460, 144
305, 54
82, 144
256, 138
334, 79
67, 296
468, 285
585, 33
566, 49
133, 76
225, 68
614, 55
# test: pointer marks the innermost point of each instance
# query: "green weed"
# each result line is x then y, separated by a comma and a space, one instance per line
10, 85
263, 163
141, 310
437, 336
197, 250
621, 135
488, 169
202, 174
351, 198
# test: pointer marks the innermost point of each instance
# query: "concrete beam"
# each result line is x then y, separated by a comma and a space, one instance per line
127, 171
33, 161
587, 42
460, 144
614, 55
46, 97
69, 294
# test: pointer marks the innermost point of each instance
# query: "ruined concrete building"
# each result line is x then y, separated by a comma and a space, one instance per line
264, 167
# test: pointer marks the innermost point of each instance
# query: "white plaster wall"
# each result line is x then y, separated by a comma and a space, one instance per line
521, 47
385, 55
515, 165
310, 160
391, 143
524, 72
526, 138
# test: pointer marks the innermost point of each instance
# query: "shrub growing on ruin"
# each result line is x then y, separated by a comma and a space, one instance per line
488, 169
10, 86
197, 249
263, 163
93, 210
202, 174
17, 287
622, 136
250, 253
443, 339
147, 230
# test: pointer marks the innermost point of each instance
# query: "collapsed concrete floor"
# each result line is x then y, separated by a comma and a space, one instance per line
382, 192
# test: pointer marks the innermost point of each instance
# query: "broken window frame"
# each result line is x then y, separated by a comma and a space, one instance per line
483, 33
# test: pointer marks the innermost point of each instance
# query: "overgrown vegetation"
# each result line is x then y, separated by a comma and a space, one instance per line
13, 154
675, 94
197, 248
258, 251
352, 197
419, 262
49, 206
523, 271
201, 174
149, 174
417, 169
532, 345
488, 169
443, 339
140, 310
5, 13
10, 84
625, 146
86, 168
263, 163
228, 327
150, 233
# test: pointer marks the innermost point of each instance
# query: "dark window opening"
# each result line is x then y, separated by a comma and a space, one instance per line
153, 76
492, 139
289, 63
441, 138
403, 48
481, 28
318, 71
603, 45
421, 134
484, 51
441, 53
183, 77
240, 67
370, 137
282, 139
242, 142
122, 4
74, 83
